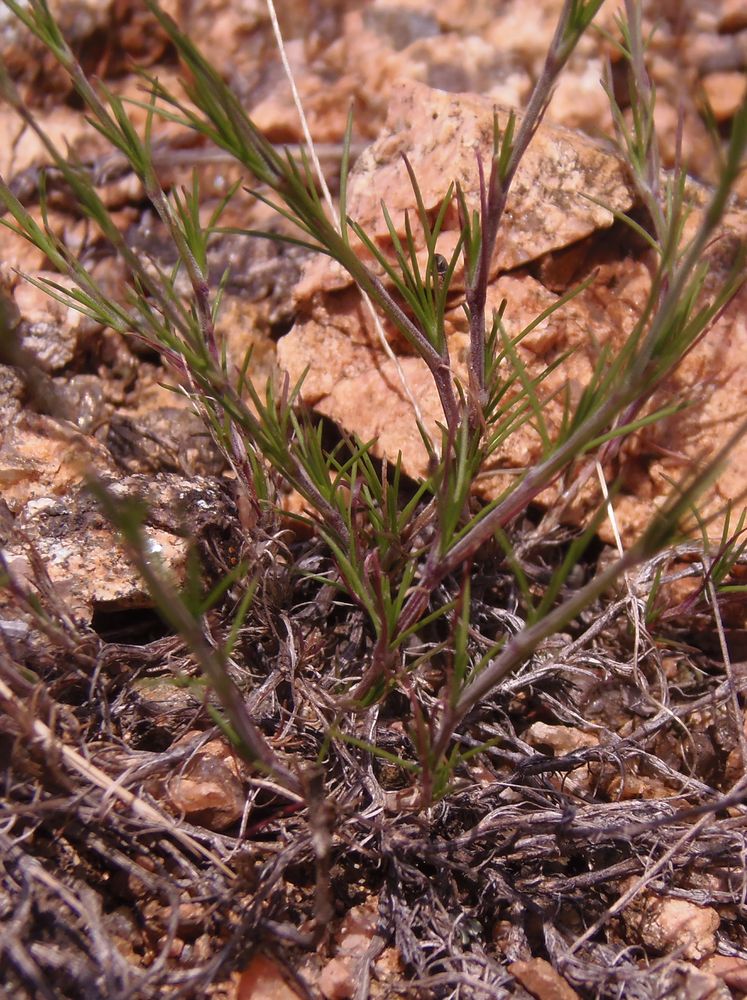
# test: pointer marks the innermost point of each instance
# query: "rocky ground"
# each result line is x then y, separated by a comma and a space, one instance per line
599, 850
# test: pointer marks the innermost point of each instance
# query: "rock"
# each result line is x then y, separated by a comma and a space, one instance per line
634, 786
580, 101
231, 32
243, 325
76, 18
49, 331
510, 31
125, 932
208, 789
548, 207
81, 400
325, 106
263, 979
260, 270
154, 709
457, 63
82, 556
170, 438
725, 93
400, 26
670, 126
540, 979
709, 52
733, 16
339, 977
27, 59
730, 969
84, 560
686, 981
337, 980
361, 390
349, 379
11, 394
389, 969
358, 927
560, 739
44, 457
666, 925
65, 128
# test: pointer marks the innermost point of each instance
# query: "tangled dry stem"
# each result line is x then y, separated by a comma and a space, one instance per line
531, 852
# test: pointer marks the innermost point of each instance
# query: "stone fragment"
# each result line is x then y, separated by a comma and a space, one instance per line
733, 16
337, 980
82, 556
540, 979
125, 932
399, 25
460, 63
667, 925
77, 19
80, 398
358, 927
351, 380
561, 739
11, 394
549, 206
632, 786
388, 966
579, 100
731, 969
155, 707
44, 457
49, 331
725, 93
688, 982
28, 59
208, 789
339, 977
243, 324
20, 157
163, 438
691, 133
710, 52
84, 559
362, 389
263, 979
509, 30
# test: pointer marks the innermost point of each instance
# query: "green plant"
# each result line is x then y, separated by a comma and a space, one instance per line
404, 557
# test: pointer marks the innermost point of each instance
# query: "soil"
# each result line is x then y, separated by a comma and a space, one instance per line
595, 847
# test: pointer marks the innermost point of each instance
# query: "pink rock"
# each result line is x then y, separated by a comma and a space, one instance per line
666, 925
337, 980
209, 789
263, 979
725, 93
731, 969
733, 15
540, 979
